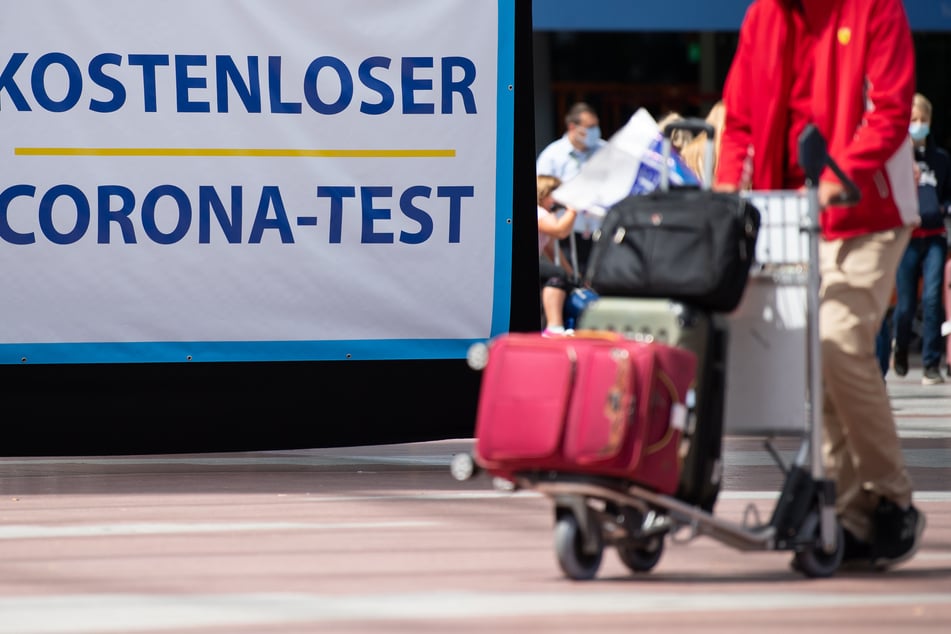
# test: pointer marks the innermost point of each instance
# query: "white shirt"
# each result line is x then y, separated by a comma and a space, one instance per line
560, 158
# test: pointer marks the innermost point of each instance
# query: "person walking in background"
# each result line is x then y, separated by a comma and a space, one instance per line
563, 159
848, 67
883, 343
695, 150
553, 277
925, 256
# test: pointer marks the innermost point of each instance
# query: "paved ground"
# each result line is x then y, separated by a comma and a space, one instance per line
381, 539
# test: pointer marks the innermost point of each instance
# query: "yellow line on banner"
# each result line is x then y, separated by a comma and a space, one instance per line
105, 151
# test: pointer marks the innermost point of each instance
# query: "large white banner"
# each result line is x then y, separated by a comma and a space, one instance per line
215, 180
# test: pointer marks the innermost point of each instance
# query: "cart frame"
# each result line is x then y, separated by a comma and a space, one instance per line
592, 512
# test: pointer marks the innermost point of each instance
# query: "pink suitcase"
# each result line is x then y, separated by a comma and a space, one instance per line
599, 405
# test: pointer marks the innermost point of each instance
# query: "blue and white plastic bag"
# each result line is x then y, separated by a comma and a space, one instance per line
630, 163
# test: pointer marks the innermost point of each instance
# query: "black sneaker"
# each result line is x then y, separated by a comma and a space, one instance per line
932, 376
856, 553
900, 362
897, 534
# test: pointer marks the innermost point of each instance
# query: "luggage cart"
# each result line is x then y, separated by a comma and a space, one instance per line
770, 326
592, 513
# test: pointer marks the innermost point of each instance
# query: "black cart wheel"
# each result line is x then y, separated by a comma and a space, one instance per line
641, 556
569, 546
812, 560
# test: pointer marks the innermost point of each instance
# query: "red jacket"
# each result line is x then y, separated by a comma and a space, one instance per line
862, 89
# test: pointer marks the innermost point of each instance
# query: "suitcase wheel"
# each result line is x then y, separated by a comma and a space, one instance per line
463, 467
477, 356
641, 555
579, 555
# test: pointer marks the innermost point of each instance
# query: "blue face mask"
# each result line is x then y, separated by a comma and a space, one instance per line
592, 137
918, 130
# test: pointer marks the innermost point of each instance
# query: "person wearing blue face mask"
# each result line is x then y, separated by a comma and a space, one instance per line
563, 158
924, 259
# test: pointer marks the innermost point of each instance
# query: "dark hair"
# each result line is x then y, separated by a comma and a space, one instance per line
575, 112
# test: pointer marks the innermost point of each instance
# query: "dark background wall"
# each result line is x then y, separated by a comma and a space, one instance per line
619, 72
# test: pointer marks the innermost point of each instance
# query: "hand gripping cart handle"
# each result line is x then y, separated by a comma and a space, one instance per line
594, 512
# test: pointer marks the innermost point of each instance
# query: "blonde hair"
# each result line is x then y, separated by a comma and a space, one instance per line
922, 103
693, 152
545, 184
678, 138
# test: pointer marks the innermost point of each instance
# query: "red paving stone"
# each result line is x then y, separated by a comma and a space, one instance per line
381, 539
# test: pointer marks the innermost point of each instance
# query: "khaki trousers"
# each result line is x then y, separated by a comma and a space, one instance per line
861, 447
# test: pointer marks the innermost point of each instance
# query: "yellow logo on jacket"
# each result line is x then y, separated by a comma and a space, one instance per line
844, 35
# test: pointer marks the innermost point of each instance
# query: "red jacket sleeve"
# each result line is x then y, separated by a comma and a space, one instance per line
736, 138
889, 76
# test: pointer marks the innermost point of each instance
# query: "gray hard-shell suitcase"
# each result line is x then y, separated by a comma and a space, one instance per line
706, 335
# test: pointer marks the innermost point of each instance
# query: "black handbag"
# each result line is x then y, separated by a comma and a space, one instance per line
690, 245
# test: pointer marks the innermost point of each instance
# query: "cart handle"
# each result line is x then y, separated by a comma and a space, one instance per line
695, 125
814, 156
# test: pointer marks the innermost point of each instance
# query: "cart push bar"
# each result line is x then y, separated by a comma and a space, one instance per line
813, 158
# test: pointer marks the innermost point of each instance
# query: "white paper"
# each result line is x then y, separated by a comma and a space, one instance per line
608, 175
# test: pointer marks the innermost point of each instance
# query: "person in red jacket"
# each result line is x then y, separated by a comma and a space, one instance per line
848, 67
